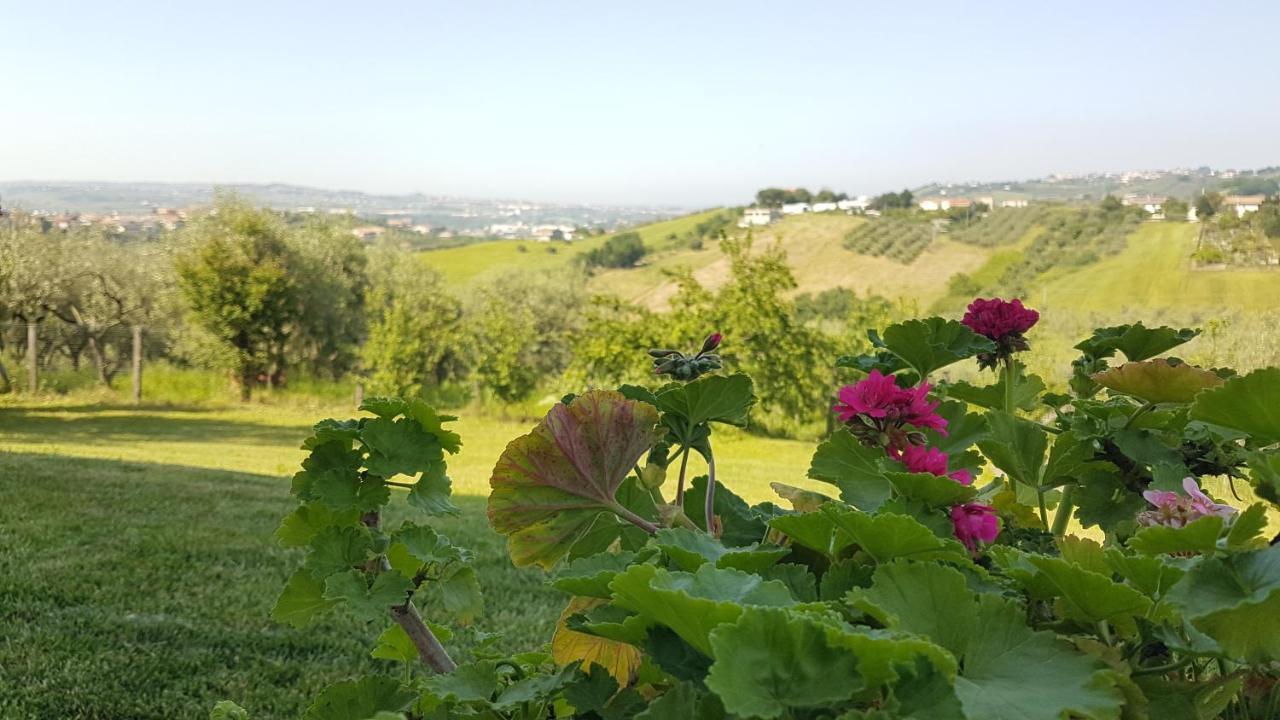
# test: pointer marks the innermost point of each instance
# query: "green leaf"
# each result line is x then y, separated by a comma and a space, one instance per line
1136, 341
814, 530
689, 549
227, 710
922, 693
301, 600
336, 549
418, 545
930, 489
802, 583
740, 523
853, 467
1246, 528
1157, 381
1016, 446
1153, 576
1179, 700
964, 429
1014, 673
1198, 536
359, 699
769, 662
329, 469
1066, 458
1235, 600
693, 604
889, 536
431, 493
684, 702
590, 576
1090, 597
1026, 392
711, 398
395, 644
473, 682
1249, 403
461, 596
932, 343
1103, 499
549, 485
923, 598
399, 447
1264, 474
433, 422
299, 526
366, 601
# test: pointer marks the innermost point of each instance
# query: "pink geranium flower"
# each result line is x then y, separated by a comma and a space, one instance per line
919, 459
997, 318
1174, 510
975, 523
885, 408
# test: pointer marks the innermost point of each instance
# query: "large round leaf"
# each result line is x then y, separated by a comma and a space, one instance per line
549, 485
1250, 404
1158, 381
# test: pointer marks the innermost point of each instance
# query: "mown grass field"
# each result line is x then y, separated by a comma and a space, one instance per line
138, 571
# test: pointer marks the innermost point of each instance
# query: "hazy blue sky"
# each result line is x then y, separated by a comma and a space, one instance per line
687, 102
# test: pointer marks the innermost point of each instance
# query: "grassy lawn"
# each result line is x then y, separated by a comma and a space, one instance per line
138, 569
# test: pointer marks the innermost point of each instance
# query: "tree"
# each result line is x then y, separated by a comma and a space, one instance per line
893, 201
620, 251
1207, 205
557, 234
1175, 209
332, 264
237, 275
415, 328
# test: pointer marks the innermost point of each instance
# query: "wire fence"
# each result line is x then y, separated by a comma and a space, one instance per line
31, 350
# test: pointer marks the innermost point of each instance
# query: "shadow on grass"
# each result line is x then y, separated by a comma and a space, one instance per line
36, 425
143, 590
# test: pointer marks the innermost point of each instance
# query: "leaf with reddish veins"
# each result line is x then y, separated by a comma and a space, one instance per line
1157, 381
549, 485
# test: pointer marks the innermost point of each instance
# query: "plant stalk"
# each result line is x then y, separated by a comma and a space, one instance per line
1065, 506
430, 650
684, 464
709, 508
1010, 373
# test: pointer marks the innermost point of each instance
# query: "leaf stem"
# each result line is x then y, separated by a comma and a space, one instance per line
709, 508
684, 463
1065, 505
633, 518
1145, 407
1010, 373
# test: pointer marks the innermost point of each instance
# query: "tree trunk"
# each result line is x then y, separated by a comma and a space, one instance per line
137, 364
100, 362
5, 384
33, 358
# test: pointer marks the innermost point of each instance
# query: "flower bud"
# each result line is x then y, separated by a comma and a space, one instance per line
712, 342
663, 352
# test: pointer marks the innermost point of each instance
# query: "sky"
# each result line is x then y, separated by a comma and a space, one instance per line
681, 103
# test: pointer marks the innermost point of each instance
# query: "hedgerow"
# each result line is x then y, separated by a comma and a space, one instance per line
978, 551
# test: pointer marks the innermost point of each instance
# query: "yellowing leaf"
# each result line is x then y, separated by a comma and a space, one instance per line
619, 659
1158, 381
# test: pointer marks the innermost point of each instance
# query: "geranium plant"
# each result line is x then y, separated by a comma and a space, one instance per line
984, 551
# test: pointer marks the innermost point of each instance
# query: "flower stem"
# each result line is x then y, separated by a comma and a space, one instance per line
1010, 375
684, 463
711, 493
1065, 506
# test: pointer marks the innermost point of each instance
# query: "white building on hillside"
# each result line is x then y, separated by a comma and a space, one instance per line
858, 204
1243, 204
755, 216
1151, 204
931, 204
796, 208
825, 207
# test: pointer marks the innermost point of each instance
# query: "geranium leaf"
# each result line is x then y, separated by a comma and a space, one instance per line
930, 489
1026, 392
693, 604
923, 693
299, 526
473, 682
1264, 474
801, 500
690, 549
923, 598
814, 530
399, 447
590, 576
1091, 597
684, 702
1198, 536
1151, 575
301, 600
621, 660
1249, 403
549, 485
370, 602
853, 467
964, 429
227, 710
711, 398
431, 493
932, 343
336, 549
802, 583
1235, 600
395, 644
413, 546
359, 699
768, 662
1016, 446
1135, 341
1014, 673
1157, 381
740, 524
460, 594
888, 536
1246, 528
433, 422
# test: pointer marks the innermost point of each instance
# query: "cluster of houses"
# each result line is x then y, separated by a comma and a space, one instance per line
944, 203
1153, 205
161, 218
539, 233
754, 216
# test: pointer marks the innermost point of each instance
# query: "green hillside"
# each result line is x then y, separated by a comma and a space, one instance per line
463, 265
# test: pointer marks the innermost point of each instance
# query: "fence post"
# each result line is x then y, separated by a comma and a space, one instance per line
137, 364
33, 358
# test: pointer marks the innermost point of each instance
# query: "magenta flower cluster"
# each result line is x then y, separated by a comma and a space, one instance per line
887, 407
1003, 322
878, 411
1173, 510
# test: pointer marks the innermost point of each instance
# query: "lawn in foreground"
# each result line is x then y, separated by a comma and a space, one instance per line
138, 569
